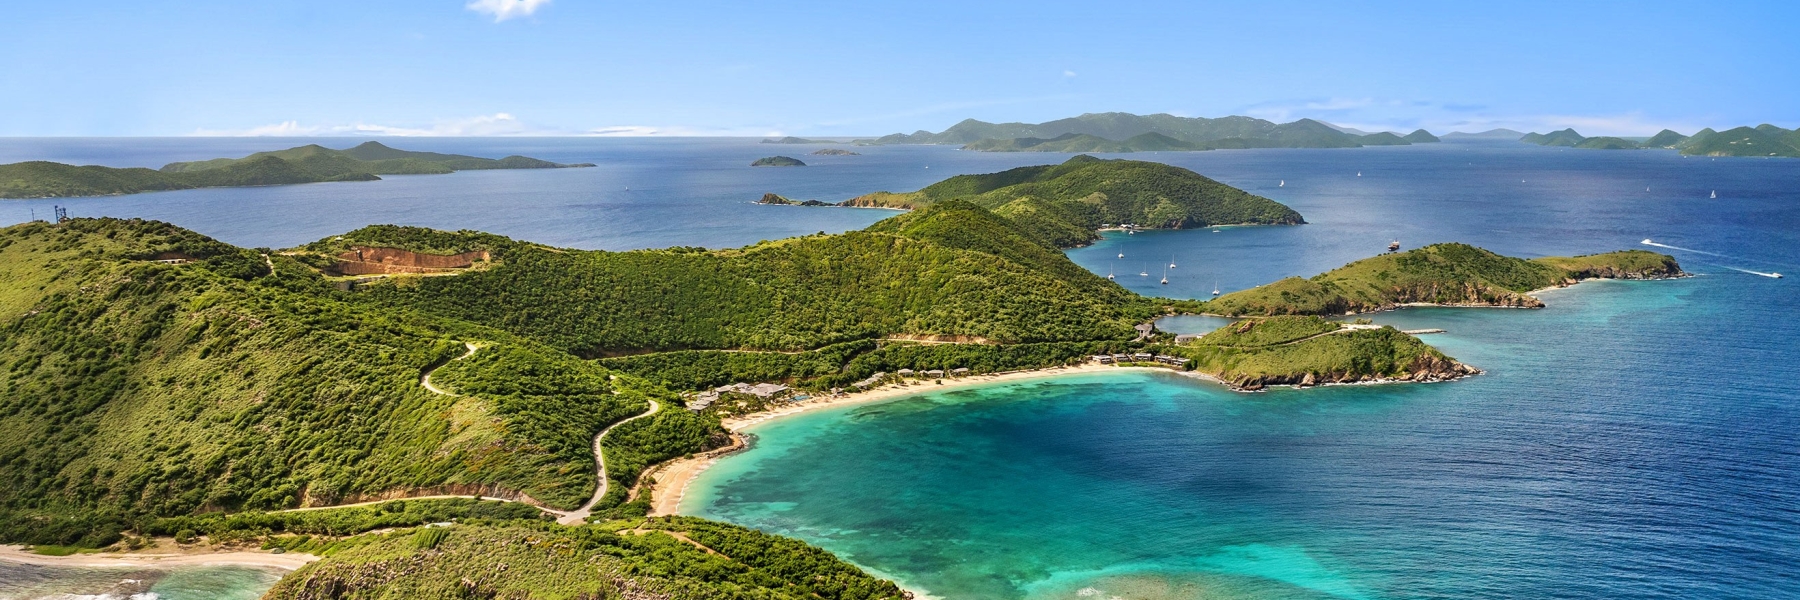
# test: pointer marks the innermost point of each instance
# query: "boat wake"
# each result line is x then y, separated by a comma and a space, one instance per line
1772, 275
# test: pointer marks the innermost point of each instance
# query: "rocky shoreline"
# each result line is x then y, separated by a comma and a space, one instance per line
1425, 369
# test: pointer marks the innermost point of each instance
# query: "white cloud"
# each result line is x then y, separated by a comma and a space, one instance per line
505, 9
680, 131
1067, 73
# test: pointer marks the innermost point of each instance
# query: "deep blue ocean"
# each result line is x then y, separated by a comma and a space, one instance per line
1633, 439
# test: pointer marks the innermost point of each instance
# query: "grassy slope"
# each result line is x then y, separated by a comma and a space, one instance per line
1440, 274
134, 388
529, 561
1286, 350
1066, 202
931, 273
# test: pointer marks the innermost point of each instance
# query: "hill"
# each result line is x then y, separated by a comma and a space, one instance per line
1607, 143
156, 372
1762, 140
1566, 138
1305, 351
1420, 136
1491, 134
956, 271
1202, 133
777, 161
305, 164
1080, 142
1664, 139
1443, 274
834, 152
1064, 204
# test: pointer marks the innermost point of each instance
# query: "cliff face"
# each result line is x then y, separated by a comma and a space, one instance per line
382, 261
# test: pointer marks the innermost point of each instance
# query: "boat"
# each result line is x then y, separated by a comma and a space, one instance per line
1715, 194
1145, 272
1217, 231
1165, 280
1109, 272
1359, 173
1282, 184
1647, 242
1121, 255
1394, 246
1171, 262
1215, 287
1777, 275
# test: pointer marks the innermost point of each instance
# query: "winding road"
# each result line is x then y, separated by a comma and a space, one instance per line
573, 517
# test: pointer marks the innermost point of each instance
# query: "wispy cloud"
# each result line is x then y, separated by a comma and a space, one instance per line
502, 10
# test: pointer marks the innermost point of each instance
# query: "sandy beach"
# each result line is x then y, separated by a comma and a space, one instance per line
672, 479
155, 559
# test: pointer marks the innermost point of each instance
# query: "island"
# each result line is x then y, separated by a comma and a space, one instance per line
1441, 275
424, 413
311, 163
777, 161
1762, 141
1125, 132
779, 200
834, 152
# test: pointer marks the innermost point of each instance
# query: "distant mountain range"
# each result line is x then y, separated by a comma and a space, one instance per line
1125, 132
1763, 140
1491, 134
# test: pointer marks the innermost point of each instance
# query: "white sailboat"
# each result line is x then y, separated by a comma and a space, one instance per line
1171, 262
1109, 272
1359, 173
1121, 255
1282, 184
1715, 195
1145, 272
1215, 287
1165, 280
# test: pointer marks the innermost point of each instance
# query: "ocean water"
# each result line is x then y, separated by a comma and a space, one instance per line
1634, 439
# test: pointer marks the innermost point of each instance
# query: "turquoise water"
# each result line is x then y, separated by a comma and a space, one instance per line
1632, 440
30, 582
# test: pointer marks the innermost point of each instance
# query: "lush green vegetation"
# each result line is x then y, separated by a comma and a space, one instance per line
675, 558
1088, 133
1607, 143
305, 164
1309, 350
928, 278
1763, 140
843, 364
1455, 274
132, 389
1063, 204
352, 520
1664, 139
777, 161
1566, 138
1420, 136
834, 152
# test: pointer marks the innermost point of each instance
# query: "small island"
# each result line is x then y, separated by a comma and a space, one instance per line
311, 163
779, 200
777, 161
797, 140
1305, 351
834, 152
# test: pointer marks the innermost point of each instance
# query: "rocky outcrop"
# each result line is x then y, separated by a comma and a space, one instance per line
779, 200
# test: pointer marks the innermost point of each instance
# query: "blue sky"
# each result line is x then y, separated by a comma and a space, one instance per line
497, 67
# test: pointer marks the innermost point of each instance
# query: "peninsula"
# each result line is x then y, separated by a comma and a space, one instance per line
311, 163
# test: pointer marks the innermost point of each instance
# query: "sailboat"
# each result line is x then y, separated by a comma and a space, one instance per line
1109, 272
1715, 195
1215, 287
1145, 272
1282, 184
1359, 173
1121, 255
1165, 277
1171, 262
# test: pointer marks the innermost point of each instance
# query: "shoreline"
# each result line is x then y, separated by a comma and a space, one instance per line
672, 480
209, 558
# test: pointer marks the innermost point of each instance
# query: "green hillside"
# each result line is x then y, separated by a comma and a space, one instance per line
1607, 143
305, 164
953, 270
675, 558
1420, 136
1382, 139
1254, 353
136, 389
1664, 139
1064, 204
1763, 140
1566, 138
1449, 274
1080, 142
